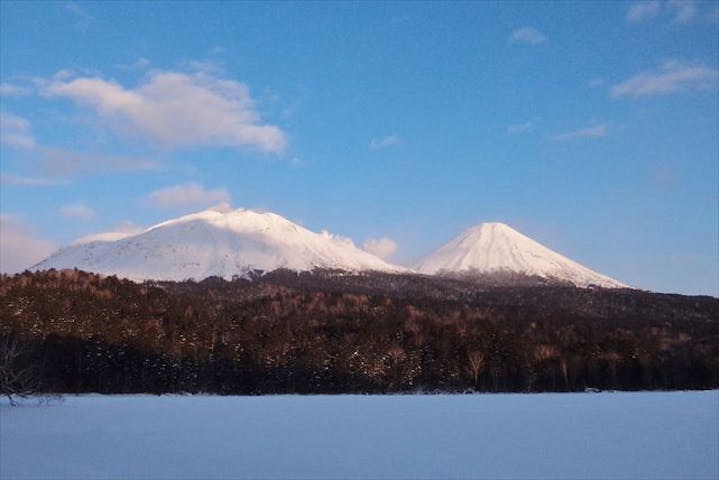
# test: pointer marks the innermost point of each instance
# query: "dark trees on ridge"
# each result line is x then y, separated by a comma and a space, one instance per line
327, 332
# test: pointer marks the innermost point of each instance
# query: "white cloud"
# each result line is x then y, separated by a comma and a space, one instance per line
77, 211
10, 90
128, 227
596, 82
595, 131
222, 207
177, 109
141, 63
9, 121
10, 179
684, 10
122, 230
64, 74
19, 247
386, 142
520, 128
382, 247
188, 195
643, 10
15, 131
669, 78
528, 35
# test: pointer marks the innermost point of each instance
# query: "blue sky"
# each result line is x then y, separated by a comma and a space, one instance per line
591, 127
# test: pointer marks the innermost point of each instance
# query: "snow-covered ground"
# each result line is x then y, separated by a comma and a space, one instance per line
609, 435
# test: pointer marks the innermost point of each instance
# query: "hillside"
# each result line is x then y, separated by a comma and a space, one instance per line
332, 332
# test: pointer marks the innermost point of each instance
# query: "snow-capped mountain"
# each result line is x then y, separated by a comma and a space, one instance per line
212, 243
496, 247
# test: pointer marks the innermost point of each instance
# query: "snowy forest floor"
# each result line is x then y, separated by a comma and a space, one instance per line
587, 435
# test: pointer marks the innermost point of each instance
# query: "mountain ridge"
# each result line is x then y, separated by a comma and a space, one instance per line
239, 242
213, 243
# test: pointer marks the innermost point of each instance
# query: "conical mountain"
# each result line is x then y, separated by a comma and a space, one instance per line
495, 247
212, 243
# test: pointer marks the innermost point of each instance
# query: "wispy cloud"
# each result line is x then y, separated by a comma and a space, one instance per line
596, 82
10, 90
15, 131
141, 63
681, 12
10, 179
520, 128
216, 50
120, 231
671, 77
382, 247
64, 162
684, 10
188, 195
529, 35
386, 142
77, 211
208, 66
83, 19
596, 131
177, 109
644, 10
20, 247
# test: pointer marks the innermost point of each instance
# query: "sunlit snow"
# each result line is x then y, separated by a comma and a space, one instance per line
496, 247
214, 243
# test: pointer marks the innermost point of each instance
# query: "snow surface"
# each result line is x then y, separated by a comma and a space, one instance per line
496, 247
667, 435
213, 243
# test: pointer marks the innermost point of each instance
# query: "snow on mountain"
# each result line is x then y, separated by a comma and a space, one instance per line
213, 243
101, 237
236, 242
496, 247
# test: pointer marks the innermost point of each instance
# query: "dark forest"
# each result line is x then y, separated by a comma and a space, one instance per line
333, 332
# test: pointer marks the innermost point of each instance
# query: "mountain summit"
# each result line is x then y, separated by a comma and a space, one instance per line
496, 247
237, 242
212, 243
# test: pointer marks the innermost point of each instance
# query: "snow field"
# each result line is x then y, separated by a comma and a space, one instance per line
605, 435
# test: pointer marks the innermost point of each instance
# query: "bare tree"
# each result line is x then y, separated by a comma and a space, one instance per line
544, 352
17, 379
475, 364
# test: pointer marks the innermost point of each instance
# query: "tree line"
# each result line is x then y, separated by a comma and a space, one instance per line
331, 332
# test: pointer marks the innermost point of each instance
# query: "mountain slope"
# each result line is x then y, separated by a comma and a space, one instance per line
496, 247
212, 243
